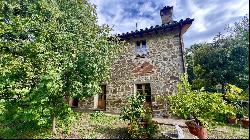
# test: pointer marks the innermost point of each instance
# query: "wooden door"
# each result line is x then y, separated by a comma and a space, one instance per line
102, 98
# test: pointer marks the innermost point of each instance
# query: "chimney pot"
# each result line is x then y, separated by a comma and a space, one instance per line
166, 14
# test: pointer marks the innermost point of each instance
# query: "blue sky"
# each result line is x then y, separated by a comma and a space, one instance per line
210, 16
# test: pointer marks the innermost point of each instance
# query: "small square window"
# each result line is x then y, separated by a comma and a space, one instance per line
141, 49
144, 89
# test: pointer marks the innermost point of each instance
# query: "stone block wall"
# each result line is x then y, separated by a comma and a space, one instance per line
161, 69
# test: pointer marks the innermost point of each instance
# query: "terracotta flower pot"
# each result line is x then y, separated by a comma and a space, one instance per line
232, 120
192, 130
245, 122
197, 130
202, 133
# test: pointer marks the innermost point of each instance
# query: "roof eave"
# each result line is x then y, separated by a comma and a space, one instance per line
184, 23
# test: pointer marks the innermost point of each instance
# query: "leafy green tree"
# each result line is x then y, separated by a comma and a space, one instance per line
189, 54
239, 57
223, 61
211, 64
50, 50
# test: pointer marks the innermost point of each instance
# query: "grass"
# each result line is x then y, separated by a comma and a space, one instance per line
92, 126
220, 132
229, 132
105, 126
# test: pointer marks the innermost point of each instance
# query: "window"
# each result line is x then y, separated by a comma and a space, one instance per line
144, 89
141, 49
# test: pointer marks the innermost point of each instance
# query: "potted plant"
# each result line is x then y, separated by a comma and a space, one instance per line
245, 119
232, 119
197, 127
245, 122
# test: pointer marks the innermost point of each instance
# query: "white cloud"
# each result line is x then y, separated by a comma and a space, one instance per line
146, 7
199, 14
210, 16
237, 9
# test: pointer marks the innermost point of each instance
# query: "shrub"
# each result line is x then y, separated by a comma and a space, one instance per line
97, 114
202, 105
99, 117
206, 107
234, 95
137, 114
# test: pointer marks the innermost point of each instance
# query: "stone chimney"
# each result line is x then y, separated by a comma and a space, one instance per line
166, 14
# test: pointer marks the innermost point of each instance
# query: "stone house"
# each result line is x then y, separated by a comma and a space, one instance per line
152, 66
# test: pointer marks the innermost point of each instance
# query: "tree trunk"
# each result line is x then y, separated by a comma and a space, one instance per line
54, 123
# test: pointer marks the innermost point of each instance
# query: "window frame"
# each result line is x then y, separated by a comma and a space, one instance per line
145, 90
141, 49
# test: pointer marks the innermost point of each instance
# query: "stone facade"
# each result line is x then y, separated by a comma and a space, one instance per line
161, 68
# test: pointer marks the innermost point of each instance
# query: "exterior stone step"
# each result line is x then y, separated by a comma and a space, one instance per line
170, 121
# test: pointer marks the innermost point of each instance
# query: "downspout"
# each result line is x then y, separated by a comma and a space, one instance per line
181, 46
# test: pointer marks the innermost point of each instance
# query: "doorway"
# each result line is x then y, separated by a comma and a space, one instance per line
75, 102
102, 98
145, 89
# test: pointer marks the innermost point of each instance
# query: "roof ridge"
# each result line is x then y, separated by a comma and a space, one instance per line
156, 27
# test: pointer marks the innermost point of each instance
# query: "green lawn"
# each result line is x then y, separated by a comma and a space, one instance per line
107, 126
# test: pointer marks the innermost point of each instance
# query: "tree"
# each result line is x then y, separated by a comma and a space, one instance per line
223, 61
49, 50
189, 54
210, 65
239, 57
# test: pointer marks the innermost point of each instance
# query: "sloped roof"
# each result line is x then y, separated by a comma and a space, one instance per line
156, 28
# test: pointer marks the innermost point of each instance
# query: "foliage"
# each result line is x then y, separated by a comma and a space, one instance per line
223, 61
245, 111
98, 117
97, 114
114, 128
134, 110
231, 111
206, 107
234, 94
136, 114
189, 53
50, 50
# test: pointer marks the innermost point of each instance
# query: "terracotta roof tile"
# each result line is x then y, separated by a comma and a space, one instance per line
156, 28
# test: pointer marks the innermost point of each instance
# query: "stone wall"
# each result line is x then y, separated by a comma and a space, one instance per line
161, 69
87, 103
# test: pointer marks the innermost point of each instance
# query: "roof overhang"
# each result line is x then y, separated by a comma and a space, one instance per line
182, 24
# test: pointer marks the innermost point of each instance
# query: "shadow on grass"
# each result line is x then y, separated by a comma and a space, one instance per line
12, 133
120, 133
